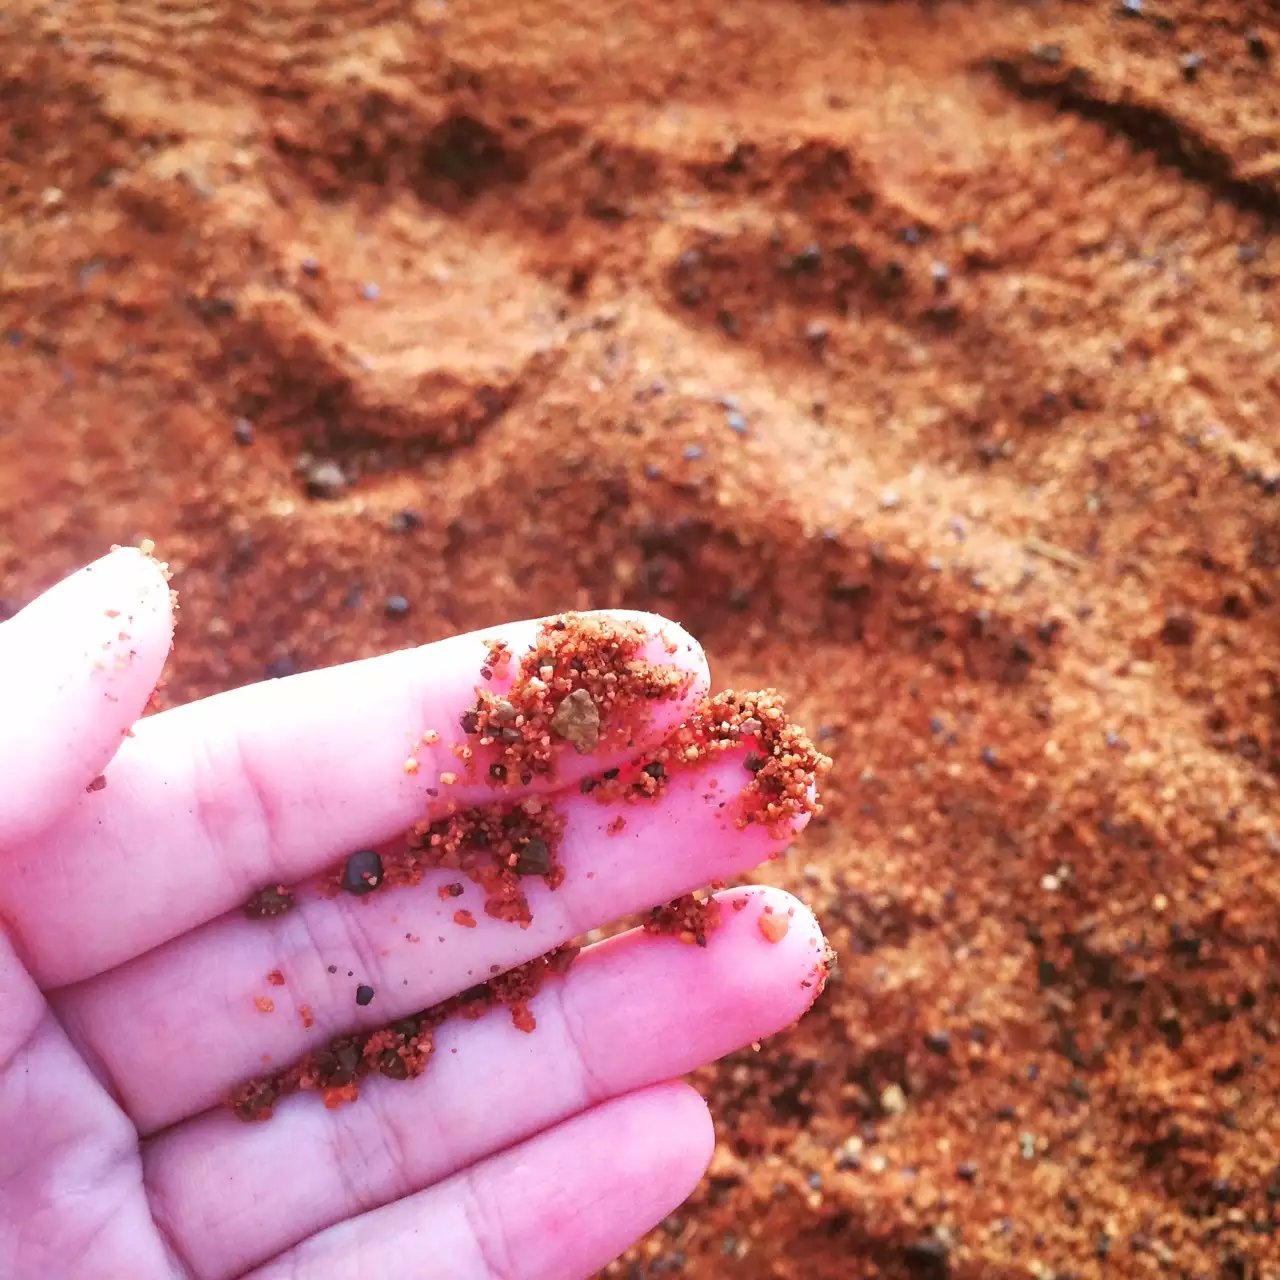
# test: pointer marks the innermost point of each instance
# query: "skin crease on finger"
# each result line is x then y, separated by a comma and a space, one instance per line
557, 1207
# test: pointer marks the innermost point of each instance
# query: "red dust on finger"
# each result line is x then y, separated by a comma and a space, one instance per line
690, 918
401, 1049
585, 683
495, 846
501, 845
782, 764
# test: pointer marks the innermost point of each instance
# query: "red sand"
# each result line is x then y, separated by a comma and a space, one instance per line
921, 358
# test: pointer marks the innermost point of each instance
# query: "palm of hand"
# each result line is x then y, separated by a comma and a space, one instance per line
127, 979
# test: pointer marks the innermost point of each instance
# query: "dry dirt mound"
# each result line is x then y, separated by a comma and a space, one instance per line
921, 357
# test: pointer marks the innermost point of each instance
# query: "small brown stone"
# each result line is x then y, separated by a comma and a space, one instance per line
274, 900
577, 721
1179, 628
533, 858
392, 1065
255, 1100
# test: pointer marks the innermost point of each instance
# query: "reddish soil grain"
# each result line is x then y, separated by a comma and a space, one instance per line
691, 919
920, 357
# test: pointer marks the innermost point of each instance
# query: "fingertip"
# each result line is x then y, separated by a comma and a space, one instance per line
79, 665
120, 598
139, 576
758, 902
778, 950
670, 643
124, 605
695, 1121
673, 1123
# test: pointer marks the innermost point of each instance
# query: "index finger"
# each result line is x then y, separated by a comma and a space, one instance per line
273, 783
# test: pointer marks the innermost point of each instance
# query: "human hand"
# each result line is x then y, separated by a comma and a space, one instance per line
131, 980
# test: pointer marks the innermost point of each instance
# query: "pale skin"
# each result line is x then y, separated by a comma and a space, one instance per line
128, 974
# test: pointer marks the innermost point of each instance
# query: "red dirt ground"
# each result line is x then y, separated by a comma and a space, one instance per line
920, 357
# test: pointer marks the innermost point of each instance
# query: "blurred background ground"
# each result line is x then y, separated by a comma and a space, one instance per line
920, 357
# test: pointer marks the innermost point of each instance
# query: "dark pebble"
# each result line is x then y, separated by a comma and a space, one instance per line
310, 267
469, 722
1257, 46
938, 1042
1191, 64
533, 858
405, 521
242, 430
808, 259
655, 770
363, 872
338, 1064
1178, 629
967, 1171
926, 1256
396, 607
364, 994
498, 772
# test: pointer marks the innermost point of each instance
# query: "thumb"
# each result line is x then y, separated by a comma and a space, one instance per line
77, 667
